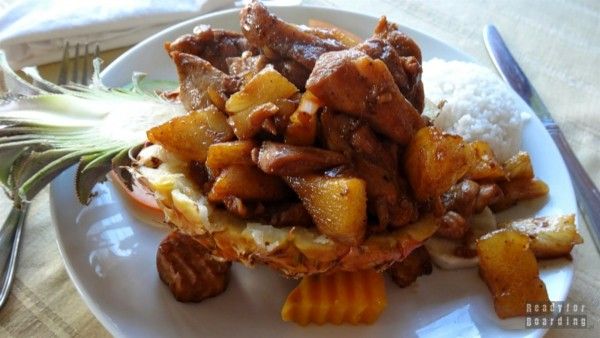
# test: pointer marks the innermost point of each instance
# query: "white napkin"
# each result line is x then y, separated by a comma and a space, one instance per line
34, 32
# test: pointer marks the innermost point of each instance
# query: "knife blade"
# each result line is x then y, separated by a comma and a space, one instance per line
588, 195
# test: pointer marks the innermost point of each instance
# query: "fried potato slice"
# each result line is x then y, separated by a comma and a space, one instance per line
434, 161
341, 297
337, 205
267, 85
551, 236
509, 268
190, 135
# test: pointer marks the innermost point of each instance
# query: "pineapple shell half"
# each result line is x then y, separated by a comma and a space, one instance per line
294, 251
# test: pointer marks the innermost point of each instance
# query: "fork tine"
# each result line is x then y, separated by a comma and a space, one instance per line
75, 73
86, 65
62, 74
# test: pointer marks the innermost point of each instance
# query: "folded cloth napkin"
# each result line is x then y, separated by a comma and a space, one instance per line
34, 32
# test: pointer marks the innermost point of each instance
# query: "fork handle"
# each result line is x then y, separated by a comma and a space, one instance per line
588, 195
10, 238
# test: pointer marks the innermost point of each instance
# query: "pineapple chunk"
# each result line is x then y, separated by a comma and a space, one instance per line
551, 237
508, 267
519, 167
189, 136
518, 190
341, 297
247, 183
337, 205
435, 161
302, 128
224, 154
266, 86
485, 166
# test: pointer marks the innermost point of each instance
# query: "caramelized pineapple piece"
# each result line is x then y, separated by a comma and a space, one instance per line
247, 183
190, 135
266, 86
485, 166
337, 205
509, 268
302, 127
341, 297
519, 167
551, 237
224, 154
249, 122
435, 161
519, 189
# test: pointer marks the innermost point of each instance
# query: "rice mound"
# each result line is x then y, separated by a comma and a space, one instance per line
479, 106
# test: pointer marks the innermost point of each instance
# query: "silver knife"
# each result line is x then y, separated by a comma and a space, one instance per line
588, 196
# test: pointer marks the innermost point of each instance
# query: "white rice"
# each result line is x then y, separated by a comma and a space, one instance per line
479, 106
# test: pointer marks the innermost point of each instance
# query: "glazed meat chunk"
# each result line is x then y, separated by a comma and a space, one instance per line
213, 45
351, 82
189, 270
200, 83
288, 41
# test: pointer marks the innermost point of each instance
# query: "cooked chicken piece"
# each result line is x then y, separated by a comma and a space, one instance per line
244, 209
404, 45
488, 194
406, 272
387, 200
374, 161
405, 70
265, 30
462, 197
213, 45
189, 270
453, 226
368, 145
246, 66
201, 84
351, 82
293, 71
288, 160
336, 131
290, 215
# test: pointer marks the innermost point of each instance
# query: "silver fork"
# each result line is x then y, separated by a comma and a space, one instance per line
78, 61
12, 229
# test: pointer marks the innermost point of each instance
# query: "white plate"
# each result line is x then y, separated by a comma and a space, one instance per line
110, 256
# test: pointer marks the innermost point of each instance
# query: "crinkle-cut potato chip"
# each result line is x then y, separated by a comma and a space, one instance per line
342, 297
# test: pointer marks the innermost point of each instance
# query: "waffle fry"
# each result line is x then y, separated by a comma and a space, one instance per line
342, 297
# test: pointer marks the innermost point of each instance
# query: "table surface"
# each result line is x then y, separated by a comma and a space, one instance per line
558, 46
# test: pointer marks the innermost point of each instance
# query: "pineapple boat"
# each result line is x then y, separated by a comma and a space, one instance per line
305, 150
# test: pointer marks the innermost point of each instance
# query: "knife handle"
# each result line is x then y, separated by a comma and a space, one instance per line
588, 195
